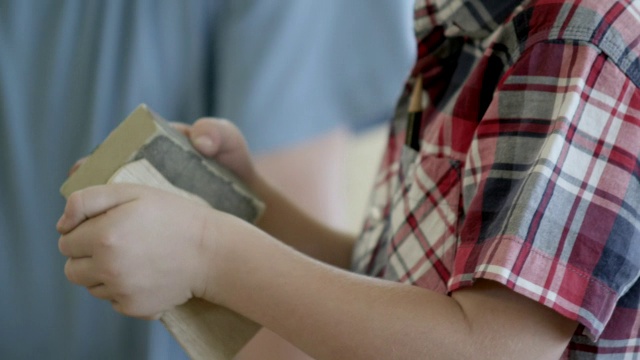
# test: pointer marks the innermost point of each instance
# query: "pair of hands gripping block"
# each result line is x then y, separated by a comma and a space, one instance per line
145, 149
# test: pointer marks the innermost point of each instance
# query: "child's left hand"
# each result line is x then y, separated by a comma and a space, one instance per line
136, 246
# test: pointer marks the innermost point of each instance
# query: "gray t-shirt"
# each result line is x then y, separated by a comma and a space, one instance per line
70, 71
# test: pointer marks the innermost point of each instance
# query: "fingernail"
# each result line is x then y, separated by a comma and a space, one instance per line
204, 144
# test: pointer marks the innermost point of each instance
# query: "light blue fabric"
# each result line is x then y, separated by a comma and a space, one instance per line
71, 70
317, 64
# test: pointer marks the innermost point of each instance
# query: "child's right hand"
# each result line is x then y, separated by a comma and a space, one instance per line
221, 140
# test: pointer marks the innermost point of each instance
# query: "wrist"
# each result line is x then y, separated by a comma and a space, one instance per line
221, 247
205, 281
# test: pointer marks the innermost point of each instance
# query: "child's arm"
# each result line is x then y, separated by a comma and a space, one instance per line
147, 251
282, 219
286, 222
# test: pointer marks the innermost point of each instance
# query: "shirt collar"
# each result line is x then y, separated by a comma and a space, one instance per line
471, 18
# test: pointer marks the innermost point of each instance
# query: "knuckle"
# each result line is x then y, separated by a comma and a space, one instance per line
74, 203
69, 272
112, 275
107, 241
62, 246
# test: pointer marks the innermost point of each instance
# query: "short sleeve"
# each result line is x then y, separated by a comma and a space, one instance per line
551, 185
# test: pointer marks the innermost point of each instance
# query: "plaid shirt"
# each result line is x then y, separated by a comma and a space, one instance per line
528, 169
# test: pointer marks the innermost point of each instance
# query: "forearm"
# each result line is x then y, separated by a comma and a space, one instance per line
333, 314
291, 225
326, 312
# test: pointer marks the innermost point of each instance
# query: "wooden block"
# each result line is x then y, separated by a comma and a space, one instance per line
145, 149
144, 134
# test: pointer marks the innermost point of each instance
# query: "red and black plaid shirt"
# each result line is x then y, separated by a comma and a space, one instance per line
527, 170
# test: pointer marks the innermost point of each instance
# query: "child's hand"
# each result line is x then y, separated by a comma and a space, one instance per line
221, 140
136, 246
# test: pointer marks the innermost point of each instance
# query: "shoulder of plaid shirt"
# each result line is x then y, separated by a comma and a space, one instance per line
530, 144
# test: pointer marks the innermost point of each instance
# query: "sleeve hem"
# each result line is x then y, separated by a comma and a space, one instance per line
566, 289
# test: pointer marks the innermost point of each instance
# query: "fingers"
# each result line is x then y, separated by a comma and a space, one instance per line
93, 201
81, 272
73, 245
215, 136
130, 310
100, 291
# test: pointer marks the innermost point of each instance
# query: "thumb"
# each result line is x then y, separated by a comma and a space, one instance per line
214, 137
222, 141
